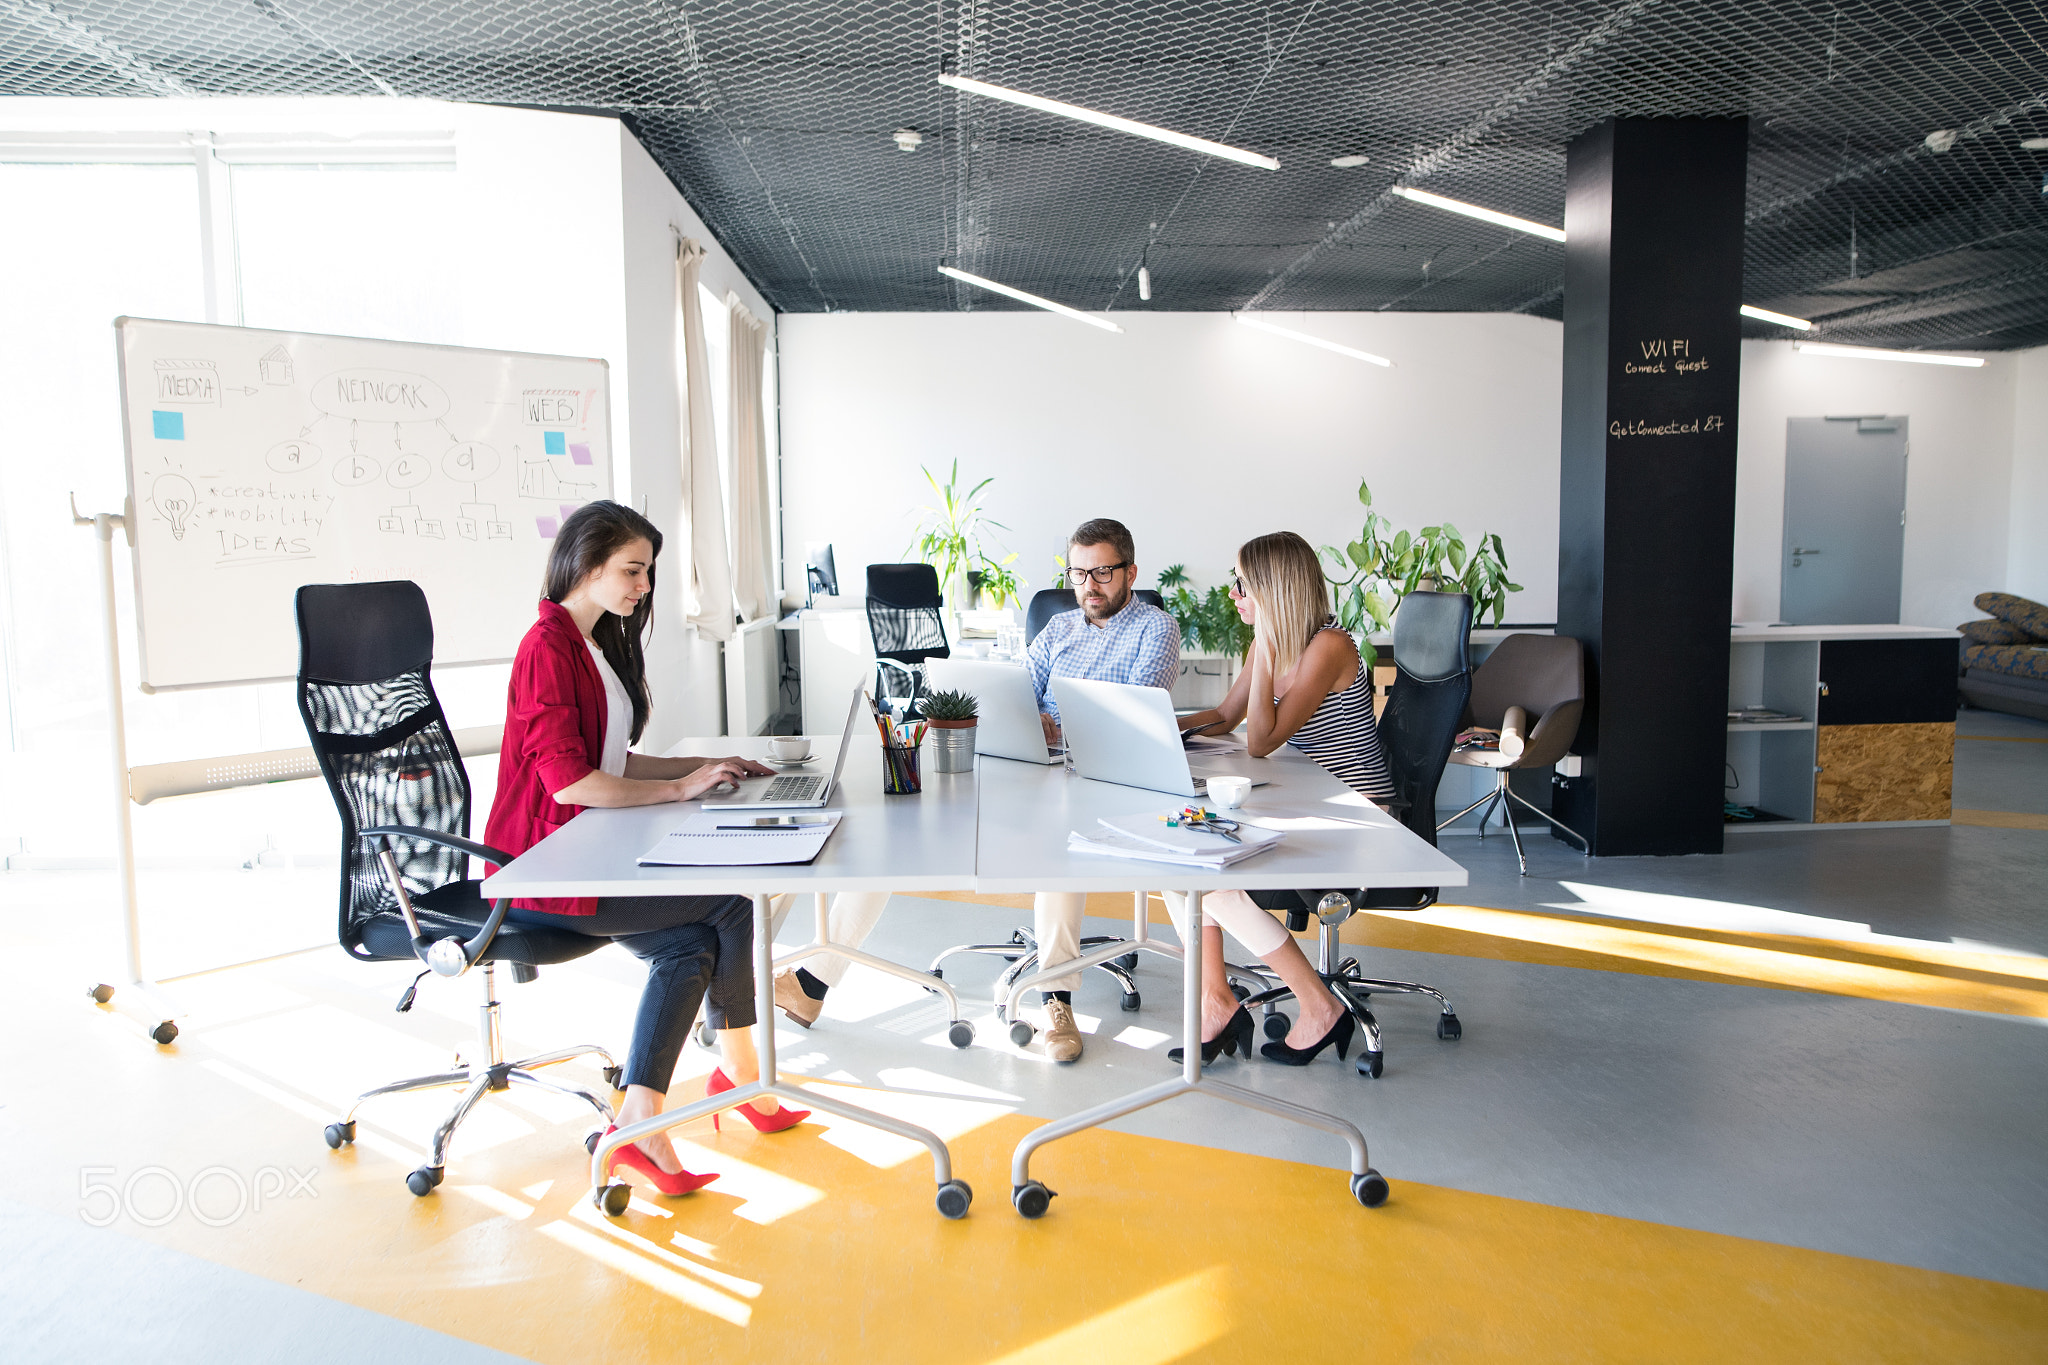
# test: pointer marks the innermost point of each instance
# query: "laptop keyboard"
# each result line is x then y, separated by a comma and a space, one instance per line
792, 788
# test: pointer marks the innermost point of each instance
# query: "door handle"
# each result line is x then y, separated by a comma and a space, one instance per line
1797, 551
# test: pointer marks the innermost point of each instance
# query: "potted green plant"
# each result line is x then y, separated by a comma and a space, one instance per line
1371, 574
949, 538
1208, 623
952, 716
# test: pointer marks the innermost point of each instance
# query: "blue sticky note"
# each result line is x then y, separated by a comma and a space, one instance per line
168, 426
557, 442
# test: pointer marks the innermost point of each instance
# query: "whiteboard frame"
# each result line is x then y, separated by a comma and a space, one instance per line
128, 473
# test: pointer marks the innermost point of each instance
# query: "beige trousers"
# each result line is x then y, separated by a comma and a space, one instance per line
1056, 922
1236, 914
851, 919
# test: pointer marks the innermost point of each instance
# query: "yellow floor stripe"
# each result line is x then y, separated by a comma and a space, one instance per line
1999, 819
2007, 739
1933, 974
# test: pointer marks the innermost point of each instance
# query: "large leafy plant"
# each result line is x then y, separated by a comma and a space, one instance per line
1208, 621
1374, 572
949, 538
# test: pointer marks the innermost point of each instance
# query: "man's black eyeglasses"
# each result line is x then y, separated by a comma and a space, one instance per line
1101, 575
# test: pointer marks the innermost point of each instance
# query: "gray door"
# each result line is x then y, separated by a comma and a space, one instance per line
1845, 520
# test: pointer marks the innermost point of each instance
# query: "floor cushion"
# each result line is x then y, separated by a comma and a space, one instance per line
2017, 661
1994, 632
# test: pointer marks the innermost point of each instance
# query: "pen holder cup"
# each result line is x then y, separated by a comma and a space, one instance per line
900, 775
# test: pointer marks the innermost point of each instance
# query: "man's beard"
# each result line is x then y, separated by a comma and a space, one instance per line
1109, 608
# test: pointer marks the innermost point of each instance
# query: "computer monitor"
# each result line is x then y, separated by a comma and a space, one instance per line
819, 573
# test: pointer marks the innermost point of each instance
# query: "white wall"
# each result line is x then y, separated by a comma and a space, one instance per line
2027, 538
1195, 432
1958, 470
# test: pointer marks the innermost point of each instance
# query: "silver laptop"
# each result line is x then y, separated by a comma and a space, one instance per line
1006, 705
795, 791
1128, 735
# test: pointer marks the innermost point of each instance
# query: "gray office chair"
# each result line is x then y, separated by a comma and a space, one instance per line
1425, 710
366, 694
1545, 675
1021, 950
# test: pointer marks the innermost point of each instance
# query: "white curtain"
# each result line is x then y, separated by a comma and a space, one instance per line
709, 602
753, 579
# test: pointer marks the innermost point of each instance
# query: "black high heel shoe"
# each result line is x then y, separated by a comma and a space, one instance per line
1236, 1034
1340, 1034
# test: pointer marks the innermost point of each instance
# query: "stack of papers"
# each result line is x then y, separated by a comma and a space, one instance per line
1150, 839
699, 842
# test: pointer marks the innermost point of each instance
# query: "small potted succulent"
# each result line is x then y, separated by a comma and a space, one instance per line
952, 717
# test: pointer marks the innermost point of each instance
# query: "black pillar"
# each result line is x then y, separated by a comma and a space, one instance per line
1652, 358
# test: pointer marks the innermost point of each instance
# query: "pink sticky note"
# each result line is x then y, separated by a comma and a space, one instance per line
579, 453
568, 510
548, 526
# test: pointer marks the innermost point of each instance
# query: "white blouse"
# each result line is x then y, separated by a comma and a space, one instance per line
618, 715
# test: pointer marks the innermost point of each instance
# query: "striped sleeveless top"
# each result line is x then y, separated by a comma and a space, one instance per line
1345, 740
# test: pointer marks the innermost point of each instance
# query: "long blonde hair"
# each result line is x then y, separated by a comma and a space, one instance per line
1282, 577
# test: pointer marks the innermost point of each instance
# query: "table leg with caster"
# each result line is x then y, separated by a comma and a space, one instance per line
1031, 1197
954, 1196
960, 1032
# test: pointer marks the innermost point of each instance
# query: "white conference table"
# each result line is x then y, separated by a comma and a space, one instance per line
1002, 828
885, 843
1335, 839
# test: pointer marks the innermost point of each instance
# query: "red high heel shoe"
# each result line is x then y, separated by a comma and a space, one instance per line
782, 1118
633, 1159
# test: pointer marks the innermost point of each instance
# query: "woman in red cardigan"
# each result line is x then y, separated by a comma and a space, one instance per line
577, 701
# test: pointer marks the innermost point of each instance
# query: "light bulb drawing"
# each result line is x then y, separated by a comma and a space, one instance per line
173, 496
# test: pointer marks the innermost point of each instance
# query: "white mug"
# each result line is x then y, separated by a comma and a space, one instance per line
789, 748
1230, 792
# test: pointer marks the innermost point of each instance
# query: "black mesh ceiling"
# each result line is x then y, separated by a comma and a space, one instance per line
775, 120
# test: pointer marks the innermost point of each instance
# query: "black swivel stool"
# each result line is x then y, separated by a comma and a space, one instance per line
390, 762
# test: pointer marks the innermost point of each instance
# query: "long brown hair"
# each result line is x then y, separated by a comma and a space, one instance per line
1282, 576
589, 538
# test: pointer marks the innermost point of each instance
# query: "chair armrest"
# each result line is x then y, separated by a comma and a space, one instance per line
1552, 735
475, 947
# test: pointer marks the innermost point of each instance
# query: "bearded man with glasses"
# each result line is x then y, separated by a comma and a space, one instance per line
1110, 637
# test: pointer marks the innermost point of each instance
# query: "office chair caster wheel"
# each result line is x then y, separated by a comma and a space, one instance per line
1130, 1002
590, 1141
613, 1198
1372, 1064
101, 993
164, 1033
615, 1077
939, 973
1020, 1033
423, 1181
707, 1036
1032, 1199
954, 1197
1129, 962
339, 1133
1276, 1025
961, 1034
1369, 1189
1448, 1028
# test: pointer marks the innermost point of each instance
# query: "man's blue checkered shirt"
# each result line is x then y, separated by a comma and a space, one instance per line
1139, 645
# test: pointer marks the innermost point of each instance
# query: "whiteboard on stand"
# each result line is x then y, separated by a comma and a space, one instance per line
261, 461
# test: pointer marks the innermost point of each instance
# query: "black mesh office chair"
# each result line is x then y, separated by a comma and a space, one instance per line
391, 764
1021, 951
906, 625
1425, 708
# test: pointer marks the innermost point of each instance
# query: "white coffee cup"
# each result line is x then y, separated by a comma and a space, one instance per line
789, 748
1230, 792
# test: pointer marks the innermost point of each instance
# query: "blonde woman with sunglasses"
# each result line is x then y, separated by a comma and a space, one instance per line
1304, 686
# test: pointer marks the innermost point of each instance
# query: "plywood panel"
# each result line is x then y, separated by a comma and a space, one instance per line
1884, 772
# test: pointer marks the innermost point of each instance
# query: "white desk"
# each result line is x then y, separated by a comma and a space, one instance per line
901, 843
1335, 839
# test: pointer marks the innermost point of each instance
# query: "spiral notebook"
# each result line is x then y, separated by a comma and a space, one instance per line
698, 842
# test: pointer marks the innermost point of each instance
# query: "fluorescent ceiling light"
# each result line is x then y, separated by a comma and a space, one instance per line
1506, 220
1872, 353
1782, 319
1111, 121
1032, 299
1293, 335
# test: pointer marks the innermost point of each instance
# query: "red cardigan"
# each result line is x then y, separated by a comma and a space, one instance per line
554, 738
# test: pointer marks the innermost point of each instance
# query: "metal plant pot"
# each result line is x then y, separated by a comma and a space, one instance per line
952, 746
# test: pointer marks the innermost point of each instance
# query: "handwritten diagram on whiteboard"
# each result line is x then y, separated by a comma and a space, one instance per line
259, 461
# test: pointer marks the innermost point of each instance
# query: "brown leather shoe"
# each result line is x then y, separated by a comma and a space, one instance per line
791, 1000
1062, 1034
